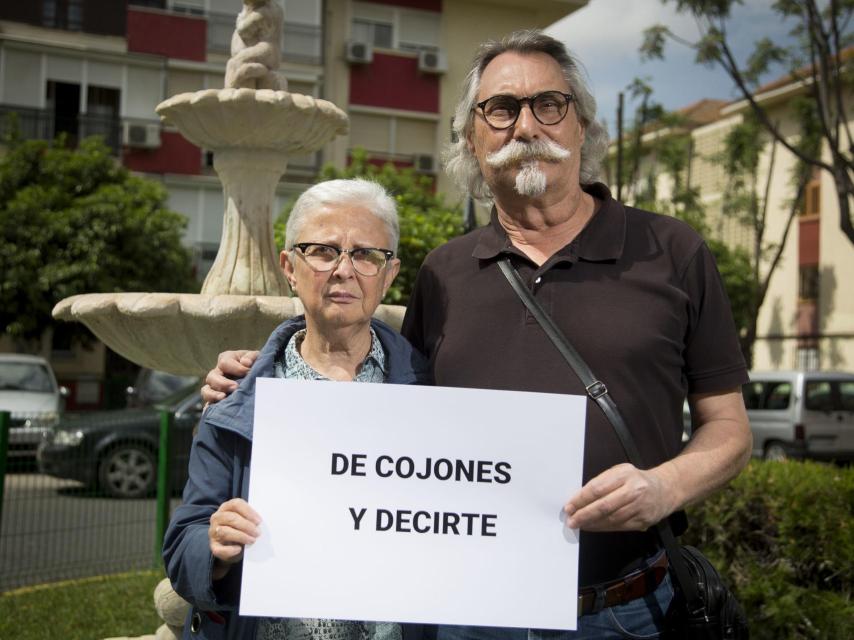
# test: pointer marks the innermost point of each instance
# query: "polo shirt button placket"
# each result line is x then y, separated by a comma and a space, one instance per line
529, 318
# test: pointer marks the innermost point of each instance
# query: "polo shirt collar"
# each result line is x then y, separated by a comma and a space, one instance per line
601, 240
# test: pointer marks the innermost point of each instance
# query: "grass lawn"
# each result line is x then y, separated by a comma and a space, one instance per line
88, 609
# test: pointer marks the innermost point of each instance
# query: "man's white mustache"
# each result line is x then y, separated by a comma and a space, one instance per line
516, 151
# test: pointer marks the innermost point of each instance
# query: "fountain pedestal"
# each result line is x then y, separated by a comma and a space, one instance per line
246, 263
244, 297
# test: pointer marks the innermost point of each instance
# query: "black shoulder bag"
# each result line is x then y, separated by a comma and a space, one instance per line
704, 608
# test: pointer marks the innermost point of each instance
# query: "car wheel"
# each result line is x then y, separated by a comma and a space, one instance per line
776, 451
128, 471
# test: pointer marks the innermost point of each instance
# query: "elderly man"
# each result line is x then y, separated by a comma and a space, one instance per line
638, 294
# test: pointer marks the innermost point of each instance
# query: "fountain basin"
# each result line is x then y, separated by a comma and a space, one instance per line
218, 119
183, 333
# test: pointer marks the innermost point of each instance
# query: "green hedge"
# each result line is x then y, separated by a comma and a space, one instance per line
782, 535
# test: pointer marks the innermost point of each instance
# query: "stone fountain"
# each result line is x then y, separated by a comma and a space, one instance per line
253, 126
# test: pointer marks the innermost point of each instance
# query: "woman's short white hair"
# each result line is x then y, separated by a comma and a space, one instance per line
354, 192
461, 164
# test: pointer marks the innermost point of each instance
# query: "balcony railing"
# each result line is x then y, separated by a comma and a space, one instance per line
30, 123
300, 42
110, 129
44, 124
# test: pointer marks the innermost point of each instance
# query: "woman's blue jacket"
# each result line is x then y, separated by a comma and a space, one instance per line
219, 471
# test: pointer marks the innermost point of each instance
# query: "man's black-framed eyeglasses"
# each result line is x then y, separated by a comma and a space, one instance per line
367, 261
548, 107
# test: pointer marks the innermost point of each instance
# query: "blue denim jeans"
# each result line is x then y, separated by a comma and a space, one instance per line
638, 619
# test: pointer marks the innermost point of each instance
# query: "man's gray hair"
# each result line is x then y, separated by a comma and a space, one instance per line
461, 164
354, 192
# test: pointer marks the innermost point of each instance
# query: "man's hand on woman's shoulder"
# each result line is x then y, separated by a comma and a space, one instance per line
230, 365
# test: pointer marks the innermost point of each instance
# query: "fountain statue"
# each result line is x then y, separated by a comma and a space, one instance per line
253, 125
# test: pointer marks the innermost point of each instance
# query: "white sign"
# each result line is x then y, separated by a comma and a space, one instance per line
413, 504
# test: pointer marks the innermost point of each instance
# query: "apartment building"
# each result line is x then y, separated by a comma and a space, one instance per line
87, 67
807, 319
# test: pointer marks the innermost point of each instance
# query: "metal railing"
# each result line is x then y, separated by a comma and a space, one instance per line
43, 124
58, 522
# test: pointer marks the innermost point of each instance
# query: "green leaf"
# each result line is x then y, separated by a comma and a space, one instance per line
709, 47
764, 55
75, 221
652, 47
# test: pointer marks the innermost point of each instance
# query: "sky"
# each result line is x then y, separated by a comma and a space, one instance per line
606, 35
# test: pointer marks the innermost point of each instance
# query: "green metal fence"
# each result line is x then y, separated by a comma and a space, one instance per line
73, 510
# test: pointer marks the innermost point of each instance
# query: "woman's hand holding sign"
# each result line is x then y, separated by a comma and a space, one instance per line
232, 526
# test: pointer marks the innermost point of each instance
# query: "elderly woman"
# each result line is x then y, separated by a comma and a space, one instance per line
339, 258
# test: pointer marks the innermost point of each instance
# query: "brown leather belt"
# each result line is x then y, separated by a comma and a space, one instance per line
622, 590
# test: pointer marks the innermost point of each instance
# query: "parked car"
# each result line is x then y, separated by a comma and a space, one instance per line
152, 386
29, 392
116, 451
801, 414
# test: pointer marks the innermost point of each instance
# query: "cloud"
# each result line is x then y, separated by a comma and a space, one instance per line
606, 34
615, 28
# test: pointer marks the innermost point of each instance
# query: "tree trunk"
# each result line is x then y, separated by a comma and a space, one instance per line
747, 341
844, 191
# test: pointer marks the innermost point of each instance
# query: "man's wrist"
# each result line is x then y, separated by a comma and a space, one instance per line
672, 489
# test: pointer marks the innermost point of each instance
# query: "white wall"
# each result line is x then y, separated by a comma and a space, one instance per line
22, 78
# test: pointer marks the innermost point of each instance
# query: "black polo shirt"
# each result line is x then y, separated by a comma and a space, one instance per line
639, 296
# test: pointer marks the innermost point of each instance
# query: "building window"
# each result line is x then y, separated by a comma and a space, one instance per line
63, 14
189, 9
102, 116
49, 13
379, 34
399, 28
812, 195
808, 282
418, 30
807, 358
63, 105
75, 15
61, 341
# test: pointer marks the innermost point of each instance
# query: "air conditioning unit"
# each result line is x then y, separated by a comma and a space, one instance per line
358, 52
141, 135
424, 163
432, 61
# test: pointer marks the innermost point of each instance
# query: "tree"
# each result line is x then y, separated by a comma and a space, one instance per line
425, 220
75, 221
648, 114
746, 199
671, 153
818, 60
746, 273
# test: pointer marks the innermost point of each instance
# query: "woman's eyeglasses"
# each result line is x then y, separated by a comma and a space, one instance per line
367, 261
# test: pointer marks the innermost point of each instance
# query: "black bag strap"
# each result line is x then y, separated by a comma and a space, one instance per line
598, 392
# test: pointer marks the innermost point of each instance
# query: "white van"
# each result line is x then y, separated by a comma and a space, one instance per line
28, 390
801, 414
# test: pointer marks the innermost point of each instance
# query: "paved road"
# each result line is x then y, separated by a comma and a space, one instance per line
55, 530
